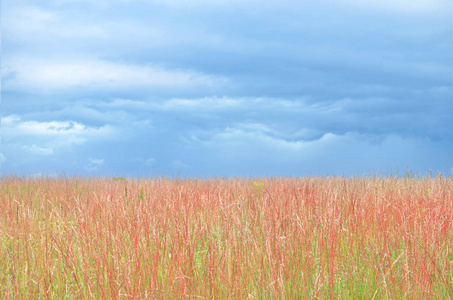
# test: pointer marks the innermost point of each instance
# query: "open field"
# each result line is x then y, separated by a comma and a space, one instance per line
281, 238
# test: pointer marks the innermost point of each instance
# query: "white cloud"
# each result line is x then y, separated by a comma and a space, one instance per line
52, 135
39, 150
94, 164
251, 137
179, 165
27, 22
210, 104
31, 13
200, 104
198, 3
149, 161
6, 72
6, 120
303, 134
2, 158
255, 149
404, 6
96, 161
97, 74
125, 103
51, 128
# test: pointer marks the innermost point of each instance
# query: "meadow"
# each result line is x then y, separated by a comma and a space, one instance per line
261, 238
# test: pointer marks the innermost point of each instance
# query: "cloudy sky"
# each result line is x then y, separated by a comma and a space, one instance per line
226, 87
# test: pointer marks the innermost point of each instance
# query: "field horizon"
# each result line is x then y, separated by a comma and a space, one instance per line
226, 238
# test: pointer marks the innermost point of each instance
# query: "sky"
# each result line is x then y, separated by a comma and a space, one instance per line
226, 88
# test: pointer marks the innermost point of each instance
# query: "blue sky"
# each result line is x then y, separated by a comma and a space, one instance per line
226, 88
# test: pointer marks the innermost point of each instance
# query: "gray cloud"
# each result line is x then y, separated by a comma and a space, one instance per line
206, 88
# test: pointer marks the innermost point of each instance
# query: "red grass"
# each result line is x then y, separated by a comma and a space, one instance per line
301, 238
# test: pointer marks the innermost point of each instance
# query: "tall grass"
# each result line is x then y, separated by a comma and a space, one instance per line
305, 238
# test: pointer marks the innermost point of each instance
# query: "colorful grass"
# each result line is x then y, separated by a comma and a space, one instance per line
306, 238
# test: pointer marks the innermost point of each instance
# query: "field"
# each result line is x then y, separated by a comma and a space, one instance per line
262, 238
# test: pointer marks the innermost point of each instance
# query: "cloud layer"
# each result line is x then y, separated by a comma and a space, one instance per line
226, 88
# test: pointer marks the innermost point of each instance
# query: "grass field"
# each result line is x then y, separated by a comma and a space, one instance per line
280, 238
